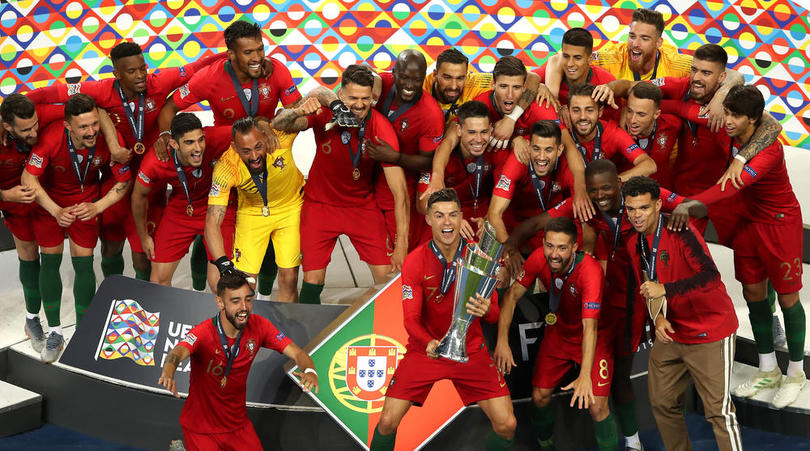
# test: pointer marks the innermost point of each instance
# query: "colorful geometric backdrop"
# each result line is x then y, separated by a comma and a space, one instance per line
48, 40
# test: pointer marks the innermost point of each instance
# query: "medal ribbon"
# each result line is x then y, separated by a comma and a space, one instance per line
182, 176
230, 352
539, 184
251, 107
389, 99
136, 126
449, 273
693, 126
650, 140
617, 228
648, 262
260, 180
479, 170
74, 160
21, 146
361, 133
553, 294
597, 145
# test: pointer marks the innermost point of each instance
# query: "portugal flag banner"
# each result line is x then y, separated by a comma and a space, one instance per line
355, 358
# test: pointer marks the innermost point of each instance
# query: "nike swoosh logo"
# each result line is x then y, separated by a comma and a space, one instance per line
225, 99
430, 277
602, 384
503, 384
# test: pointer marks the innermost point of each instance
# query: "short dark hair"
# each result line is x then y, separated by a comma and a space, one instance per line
231, 281
184, 123
472, 108
444, 195
639, 185
509, 66
16, 106
241, 29
452, 56
563, 224
79, 104
647, 91
243, 126
713, 53
579, 37
585, 90
123, 50
745, 100
601, 166
547, 129
649, 17
358, 74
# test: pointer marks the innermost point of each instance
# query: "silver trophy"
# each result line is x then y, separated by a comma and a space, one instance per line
475, 273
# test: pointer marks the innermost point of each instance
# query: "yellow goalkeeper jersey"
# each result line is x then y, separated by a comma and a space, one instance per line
476, 84
671, 63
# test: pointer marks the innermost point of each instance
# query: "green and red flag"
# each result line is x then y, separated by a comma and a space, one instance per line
356, 356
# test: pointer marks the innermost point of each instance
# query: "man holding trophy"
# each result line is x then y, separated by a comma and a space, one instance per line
694, 320
446, 285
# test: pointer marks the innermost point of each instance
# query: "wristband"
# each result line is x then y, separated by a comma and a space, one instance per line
165, 132
311, 370
516, 113
740, 158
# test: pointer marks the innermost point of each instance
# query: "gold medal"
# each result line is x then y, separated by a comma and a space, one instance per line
551, 319
223, 381
139, 148
265, 211
356, 174
190, 210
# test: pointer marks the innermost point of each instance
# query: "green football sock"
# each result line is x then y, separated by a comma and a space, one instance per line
310, 293
199, 264
84, 285
497, 443
771, 297
50, 287
143, 275
607, 437
543, 422
626, 416
381, 442
112, 264
269, 271
29, 278
759, 313
795, 326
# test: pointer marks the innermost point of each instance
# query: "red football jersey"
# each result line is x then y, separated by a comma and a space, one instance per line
581, 293
213, 83
211, 408
700, 161
420, 128
659, 145
767, 194
515, 183
155, 173
596, 76
50, 161
616, 145
698, 305
159, 85
330, 179
459, 174
428, 312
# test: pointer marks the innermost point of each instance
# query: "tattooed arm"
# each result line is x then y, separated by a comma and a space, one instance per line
213, 235
295, 119
176, 355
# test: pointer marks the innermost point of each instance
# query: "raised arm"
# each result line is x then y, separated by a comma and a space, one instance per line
307, 374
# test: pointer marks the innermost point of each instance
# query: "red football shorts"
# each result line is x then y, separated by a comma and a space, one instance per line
50, 234
476, 380
244, 438
177, 230
321, 224
557, 356
725, 217
19, 219
769, 251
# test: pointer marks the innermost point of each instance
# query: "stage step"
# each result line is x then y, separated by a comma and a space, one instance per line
20, 409
757, 412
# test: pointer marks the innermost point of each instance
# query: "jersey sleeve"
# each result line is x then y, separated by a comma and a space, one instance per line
47, 114
384, 132
564, 209
424, 182
685, 110
283, 81
194, 91
670, 200
412, 301
225, 175
188, 71
192, 339
434, 130
121, 172
218, 140
42, 153
60, 92
762, 163
321, 119
592, 283
148, 173
698, 266
625, 144
672, 87
531, 268
510, 175
272, 337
